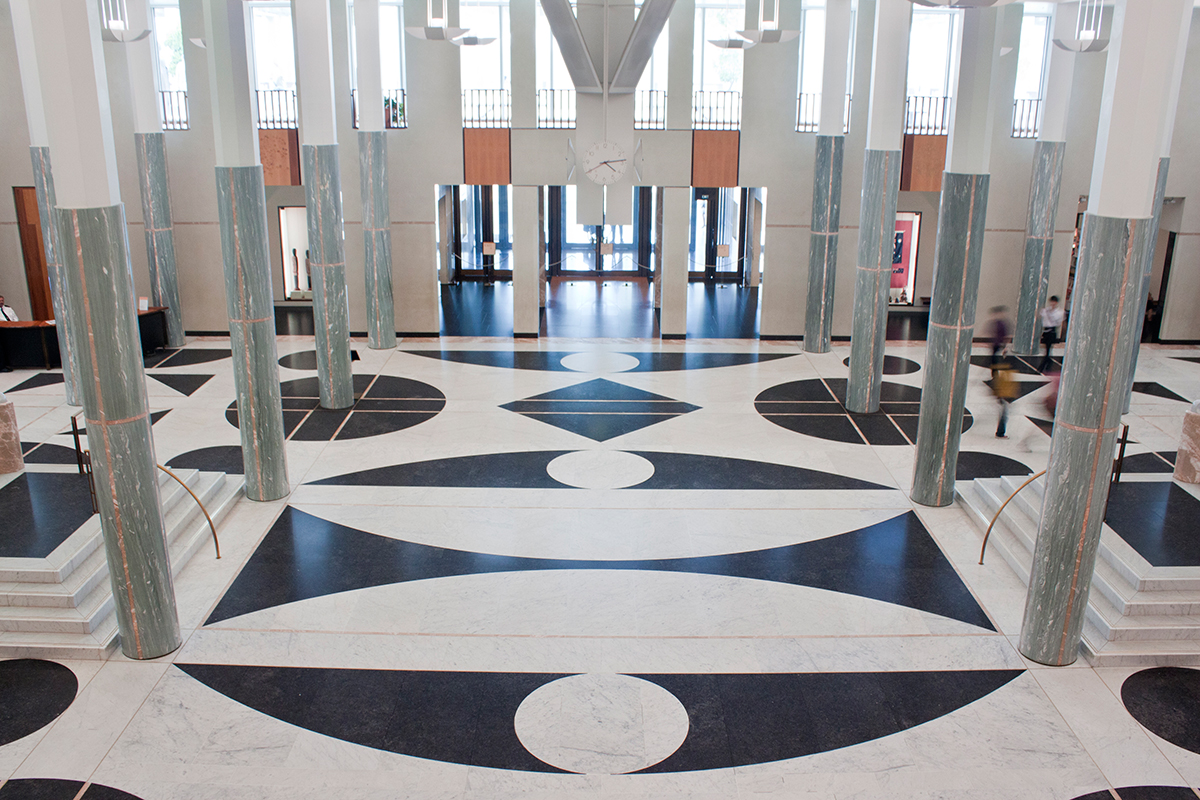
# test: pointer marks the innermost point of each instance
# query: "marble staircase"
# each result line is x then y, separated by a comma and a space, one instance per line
61, 606
1138, 614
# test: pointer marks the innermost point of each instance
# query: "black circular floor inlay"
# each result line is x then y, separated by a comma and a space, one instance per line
1140, 793
1166, 700
32, 695
817, 407
894, 365
972, 465
223, 458
307, 359
58, 789
383, 404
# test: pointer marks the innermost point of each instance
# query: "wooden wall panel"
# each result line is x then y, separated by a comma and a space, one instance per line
715, 158
279, 153
923, 163
487, 156
29, 228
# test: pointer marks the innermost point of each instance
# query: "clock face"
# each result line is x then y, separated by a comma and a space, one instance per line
604, 163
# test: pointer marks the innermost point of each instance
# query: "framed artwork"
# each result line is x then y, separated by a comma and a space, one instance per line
904, 258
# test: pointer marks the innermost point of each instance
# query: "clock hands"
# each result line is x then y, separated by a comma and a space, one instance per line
608, 164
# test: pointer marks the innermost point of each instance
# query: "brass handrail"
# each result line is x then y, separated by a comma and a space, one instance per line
186, 488
1000, 510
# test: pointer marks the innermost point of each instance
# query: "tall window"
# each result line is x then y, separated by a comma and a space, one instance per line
932, 55
717, 69
551, 69
166, 48
1033, 58
486, 66
274, 63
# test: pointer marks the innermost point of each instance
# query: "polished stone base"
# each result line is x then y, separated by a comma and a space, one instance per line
873, 278
822, 248
160, 231
377, 239
11, 459
242, 209
1039, 240
1104, 314
326, 245
951, 326
96, 267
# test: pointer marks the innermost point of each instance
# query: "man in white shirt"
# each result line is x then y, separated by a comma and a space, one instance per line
1052, 317
6, 312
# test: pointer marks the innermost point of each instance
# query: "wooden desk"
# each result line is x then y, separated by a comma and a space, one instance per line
35, 344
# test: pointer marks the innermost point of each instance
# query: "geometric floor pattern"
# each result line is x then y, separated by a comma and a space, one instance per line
481, 604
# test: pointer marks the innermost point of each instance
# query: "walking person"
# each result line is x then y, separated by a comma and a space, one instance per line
1004, 387
999, 332
1052, 318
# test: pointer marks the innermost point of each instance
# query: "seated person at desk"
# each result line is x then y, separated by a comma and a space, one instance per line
6, 315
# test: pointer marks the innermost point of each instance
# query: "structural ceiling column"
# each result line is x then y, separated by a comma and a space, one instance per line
827, 179
323, 192
153, 181
672, 319
880, 193
1103, 323
43, 179
525, 268
957, 260
373, 180
1044, 185
95, 250
242, 211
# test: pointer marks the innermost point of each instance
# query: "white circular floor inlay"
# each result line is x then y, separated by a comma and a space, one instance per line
599, 362
600, 469
601, 724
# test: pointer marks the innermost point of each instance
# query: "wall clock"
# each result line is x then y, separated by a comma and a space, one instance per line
604, 163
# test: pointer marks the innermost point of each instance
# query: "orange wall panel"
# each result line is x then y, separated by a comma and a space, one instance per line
715, 158
279, 154
486, 156
923, 163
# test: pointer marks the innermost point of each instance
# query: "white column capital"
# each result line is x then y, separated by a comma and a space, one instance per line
313, 32
368, 75
889, 75
833, 73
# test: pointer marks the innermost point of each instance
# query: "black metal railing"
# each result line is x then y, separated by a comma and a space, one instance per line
393, 108
556, 108
173, 110
808, 113
717, 111
487, 108
927, 116
276, 108
1025, 118
650, 109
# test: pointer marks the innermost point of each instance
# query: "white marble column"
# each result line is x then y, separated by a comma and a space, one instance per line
323, 192
525, 267
827, 180
957, 260
877, 212
95, 245
373, 180
242, 211
672, 320
11, 459
1104, 314
43, 179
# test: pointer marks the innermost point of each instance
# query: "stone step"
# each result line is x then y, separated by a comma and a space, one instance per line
1175, 653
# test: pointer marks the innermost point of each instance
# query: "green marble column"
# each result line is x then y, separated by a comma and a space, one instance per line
1104, 315
242, 211
331, 305
160, 231
822, 243
957, 260
377, 239
1039, 239
43, 179
113, 384
873, 278
1160, 193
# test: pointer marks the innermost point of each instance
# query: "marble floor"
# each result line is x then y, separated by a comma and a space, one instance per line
611, 568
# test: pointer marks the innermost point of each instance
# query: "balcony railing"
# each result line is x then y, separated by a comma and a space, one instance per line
173, 110
927, 116
1025, 118
556, 108
276, 108
717, 111
808, 114
487, 108
650, 109
393, 108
